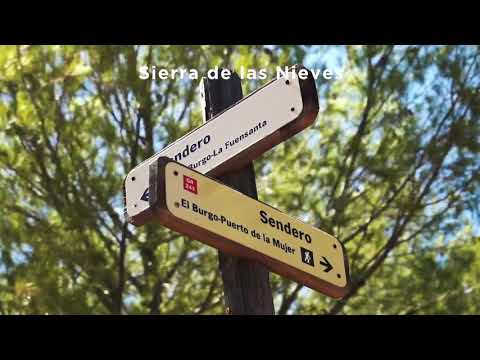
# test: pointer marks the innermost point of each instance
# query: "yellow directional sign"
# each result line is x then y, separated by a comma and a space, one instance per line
209, 211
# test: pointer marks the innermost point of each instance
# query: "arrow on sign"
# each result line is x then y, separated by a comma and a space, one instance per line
327, 264
145, 195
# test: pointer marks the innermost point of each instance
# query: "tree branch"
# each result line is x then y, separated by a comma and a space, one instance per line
288, 301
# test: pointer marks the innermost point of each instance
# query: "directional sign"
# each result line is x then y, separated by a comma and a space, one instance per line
206, 210
234, 137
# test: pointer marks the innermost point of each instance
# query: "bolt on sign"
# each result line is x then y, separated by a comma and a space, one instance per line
204, 209
236, 136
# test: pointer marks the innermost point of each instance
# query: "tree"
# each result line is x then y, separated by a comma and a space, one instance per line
390, 168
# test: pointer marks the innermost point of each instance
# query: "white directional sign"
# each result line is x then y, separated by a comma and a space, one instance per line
209, 211
240, 134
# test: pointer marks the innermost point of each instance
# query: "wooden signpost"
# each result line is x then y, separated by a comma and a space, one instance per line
204, 209
246, 283
203, 186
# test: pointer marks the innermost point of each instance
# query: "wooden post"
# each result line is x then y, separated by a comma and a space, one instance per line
246, 283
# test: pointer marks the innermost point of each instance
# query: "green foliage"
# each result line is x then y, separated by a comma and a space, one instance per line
390, 167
